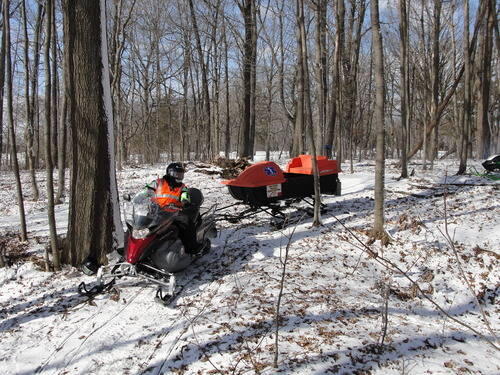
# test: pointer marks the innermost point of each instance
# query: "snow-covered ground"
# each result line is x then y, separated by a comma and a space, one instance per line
223, 321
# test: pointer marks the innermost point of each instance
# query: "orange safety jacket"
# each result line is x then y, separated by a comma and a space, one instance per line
169, 199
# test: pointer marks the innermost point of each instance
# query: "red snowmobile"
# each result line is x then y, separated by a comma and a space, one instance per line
153, 250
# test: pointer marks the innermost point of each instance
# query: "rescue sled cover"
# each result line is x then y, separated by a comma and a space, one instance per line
265, 183
259, 184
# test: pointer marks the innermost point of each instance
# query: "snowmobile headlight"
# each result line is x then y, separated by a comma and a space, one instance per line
140, 233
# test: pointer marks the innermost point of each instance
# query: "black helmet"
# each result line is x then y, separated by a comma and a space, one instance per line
175, 173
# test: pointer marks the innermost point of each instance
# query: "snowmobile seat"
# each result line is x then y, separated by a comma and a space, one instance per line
191, 211
196, 197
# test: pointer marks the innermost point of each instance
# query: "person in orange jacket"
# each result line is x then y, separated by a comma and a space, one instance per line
172, 195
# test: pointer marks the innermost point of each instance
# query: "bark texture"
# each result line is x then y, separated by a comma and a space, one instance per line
378, 56
91, 207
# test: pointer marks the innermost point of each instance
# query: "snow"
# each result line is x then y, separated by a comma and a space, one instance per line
223, 321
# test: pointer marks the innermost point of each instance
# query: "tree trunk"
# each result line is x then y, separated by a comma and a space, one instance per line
333, 130
485, 66
48, 139
436, 30
339, 87
34, 105
3, 261
54, 94
352, 86
183, 124
227, 138
378, 56
63, 138
467, 116
322, 76
63, 127
253, 77
10, 118
116, 52
456, 113
308, 110
246, 146
204, 79
30, 126
94, 226
2, 88
298, 146
404, 86
216, 77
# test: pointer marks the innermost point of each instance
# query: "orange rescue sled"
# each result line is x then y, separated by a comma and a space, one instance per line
264, 183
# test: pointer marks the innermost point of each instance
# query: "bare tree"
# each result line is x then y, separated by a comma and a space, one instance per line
484, 75
247, 8
48, 136
54, 95
466, 124
208, 47
378, 56
63, 128
356, 20
2, 85
227, 136
334, 131
298, 146
10, 117
30, 126
404, 86
436, 77
34, 102
204, 79
94, 226
322, 68
308, 109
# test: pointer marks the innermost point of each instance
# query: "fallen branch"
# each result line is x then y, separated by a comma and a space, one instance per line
416, 195
466, 184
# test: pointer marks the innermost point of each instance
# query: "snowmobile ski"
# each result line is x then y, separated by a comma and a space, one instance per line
96, 289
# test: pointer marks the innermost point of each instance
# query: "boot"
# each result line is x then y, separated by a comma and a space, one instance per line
201, 248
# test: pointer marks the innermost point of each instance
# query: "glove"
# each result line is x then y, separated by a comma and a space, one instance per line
185, 199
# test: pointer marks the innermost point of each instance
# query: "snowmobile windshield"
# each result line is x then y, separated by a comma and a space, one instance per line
144, 211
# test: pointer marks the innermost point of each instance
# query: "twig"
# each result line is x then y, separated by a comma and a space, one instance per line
385, 310
278, 303
448, 238
393, 267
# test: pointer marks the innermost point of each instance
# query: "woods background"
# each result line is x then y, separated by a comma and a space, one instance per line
193, 79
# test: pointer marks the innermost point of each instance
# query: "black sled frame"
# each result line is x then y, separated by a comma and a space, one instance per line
276, 210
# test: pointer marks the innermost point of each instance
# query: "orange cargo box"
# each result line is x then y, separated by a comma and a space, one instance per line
303, 165
260, 174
